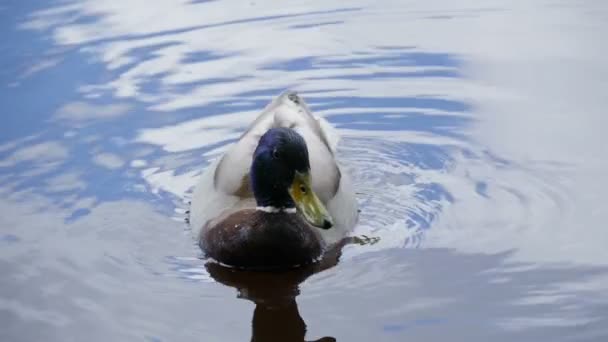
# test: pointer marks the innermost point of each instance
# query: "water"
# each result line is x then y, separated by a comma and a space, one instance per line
474, 131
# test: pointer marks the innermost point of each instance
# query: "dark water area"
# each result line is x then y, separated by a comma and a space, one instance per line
474, 132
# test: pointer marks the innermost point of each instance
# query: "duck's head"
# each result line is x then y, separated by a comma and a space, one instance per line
281, 180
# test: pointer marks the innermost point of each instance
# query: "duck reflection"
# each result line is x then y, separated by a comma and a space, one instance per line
276, 316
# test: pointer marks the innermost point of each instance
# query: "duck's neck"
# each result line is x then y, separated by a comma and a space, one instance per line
273, 200
270, 191
274, 210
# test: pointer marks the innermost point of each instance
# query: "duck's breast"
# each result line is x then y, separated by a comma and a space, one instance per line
255, 239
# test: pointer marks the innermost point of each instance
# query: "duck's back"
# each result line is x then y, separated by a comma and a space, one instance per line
256, 239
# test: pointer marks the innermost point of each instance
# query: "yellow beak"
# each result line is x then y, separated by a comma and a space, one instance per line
308, 203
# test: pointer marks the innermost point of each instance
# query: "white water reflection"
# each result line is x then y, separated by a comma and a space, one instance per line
545, 116
79, 113
108, 160
48, 152
212, 50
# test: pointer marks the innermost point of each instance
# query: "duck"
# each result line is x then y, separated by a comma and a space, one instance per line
277, 198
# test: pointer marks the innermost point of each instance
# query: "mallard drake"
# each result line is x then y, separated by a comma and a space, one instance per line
277, 198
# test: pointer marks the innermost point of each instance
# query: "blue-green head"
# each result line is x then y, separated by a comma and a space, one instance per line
281, 180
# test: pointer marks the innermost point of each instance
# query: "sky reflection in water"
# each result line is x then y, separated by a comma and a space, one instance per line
474, 133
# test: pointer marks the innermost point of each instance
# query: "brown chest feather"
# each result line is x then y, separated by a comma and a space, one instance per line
258, 240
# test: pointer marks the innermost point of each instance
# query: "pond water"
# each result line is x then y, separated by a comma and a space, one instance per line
474, 132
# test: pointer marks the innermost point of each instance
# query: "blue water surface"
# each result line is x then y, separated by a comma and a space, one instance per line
474, 132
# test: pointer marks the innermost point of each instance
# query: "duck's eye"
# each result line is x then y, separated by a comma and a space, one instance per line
275, 154
303, 189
